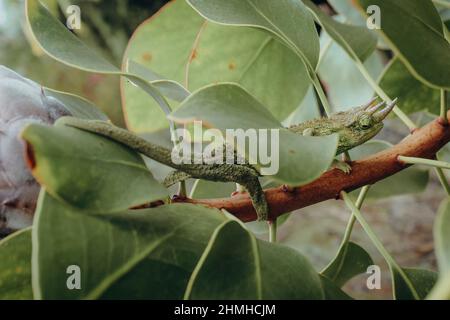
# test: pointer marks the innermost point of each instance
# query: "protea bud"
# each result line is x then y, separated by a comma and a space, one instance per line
22, 101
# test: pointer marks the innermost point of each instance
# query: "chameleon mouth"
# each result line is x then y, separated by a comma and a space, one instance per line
380, 111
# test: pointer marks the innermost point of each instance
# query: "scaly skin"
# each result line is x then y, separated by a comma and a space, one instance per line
354, 127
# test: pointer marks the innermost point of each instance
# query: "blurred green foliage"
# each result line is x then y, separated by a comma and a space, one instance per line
106, 26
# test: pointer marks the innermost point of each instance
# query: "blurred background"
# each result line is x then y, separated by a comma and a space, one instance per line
403, 222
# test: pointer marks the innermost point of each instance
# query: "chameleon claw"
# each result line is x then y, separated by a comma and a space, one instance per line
343, 166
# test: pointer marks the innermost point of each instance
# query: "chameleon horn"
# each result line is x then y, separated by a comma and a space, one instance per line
377, 107
370, 103
381, 114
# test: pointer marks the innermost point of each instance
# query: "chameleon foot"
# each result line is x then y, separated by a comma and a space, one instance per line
341, 165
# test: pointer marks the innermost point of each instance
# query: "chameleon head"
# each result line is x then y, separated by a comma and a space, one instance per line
365, 123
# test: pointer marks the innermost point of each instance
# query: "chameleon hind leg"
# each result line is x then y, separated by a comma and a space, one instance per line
259, 201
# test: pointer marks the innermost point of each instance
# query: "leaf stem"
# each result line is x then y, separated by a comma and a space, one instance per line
443, 114
272, 230
321, 94
400, 114
426, 162
352, 220
391, 262
349, 229
443, 180
442, 3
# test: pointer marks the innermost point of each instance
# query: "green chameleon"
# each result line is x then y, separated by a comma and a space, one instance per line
354, 127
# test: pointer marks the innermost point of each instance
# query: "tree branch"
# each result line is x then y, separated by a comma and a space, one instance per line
423, 143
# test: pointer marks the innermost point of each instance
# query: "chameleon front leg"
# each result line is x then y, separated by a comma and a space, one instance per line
342, 165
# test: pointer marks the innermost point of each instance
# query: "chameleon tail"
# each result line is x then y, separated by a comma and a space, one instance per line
258, 198
174, 177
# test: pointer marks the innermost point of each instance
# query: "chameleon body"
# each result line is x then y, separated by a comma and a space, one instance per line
354, 127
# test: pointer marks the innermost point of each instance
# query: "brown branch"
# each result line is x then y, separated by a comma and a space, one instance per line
423, 143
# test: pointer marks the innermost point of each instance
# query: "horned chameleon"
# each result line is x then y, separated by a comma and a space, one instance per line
354, 127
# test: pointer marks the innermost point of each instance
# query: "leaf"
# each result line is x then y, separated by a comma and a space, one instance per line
413, 95
61, 43
422, 280
229, 106
77, 106
288, 20
196, 53
442, 237
332, 291
359, 42
15, 266
89, 171
169, 88
204, 189
64, 46
350, 261
441, 233
427, 54
138, 254
307, 110
236, 265
342, 77
404, 286
410, 180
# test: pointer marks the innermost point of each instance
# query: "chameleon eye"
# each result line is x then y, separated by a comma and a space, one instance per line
365, 122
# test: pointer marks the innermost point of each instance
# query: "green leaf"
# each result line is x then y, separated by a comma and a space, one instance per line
168, 88
342, 77
15, 266
196, 53
414, 30
441, 232
414, 96
350, 261
89, 171
442, 236
410, 180
403, 286
236, 265
422, 280
229, 106
204, 189
359, 42
76, 105
288, 20
62, 45
332, 291
138, 254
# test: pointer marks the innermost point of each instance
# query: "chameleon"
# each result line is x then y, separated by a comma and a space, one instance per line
354, 127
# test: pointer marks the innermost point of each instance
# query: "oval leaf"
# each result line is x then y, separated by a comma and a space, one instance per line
15, 266
208, 53
89, 171
350, 261
358, 42
414, 30
288, 20
236, 265
76, 105
139, 254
